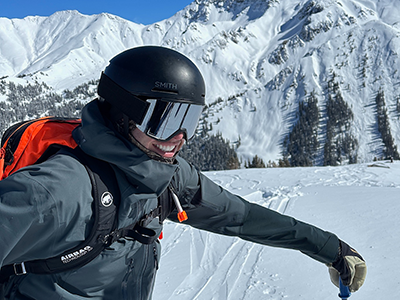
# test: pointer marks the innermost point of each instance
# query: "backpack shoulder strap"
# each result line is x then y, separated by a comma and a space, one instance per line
105, 207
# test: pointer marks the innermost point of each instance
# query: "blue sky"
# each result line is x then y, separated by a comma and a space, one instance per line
139, 11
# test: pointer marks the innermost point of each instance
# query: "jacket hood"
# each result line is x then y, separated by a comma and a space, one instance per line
97, 138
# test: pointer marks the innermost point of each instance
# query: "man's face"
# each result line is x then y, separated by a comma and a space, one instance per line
166, 149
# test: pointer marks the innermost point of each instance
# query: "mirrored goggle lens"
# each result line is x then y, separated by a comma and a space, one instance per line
164, 119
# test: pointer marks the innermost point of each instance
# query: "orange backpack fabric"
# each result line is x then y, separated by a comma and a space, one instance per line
25, 143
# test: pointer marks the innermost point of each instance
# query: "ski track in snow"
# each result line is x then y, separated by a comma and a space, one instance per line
235, 273
203, 266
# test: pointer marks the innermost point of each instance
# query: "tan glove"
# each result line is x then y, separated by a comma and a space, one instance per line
350, 266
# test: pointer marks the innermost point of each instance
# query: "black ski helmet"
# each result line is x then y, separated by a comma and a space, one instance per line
151, 72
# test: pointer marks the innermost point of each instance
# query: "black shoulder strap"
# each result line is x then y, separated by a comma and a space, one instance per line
105, 206
166, 203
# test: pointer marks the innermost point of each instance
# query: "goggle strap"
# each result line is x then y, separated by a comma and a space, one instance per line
113, 93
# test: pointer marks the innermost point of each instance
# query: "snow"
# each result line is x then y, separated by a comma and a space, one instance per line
360, 203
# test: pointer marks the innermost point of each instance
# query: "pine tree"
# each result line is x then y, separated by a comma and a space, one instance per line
257, 162
301, 145
340, 145
390, 149
210, 152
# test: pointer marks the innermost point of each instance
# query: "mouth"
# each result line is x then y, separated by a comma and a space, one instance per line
166, 150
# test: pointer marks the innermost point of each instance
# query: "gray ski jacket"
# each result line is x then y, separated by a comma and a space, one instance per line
45, 209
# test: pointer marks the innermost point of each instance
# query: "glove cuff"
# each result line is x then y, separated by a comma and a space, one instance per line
340, 263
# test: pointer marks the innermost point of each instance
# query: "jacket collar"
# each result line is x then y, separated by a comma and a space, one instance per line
96, 138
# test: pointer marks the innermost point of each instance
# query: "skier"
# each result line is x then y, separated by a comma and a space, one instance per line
150, 101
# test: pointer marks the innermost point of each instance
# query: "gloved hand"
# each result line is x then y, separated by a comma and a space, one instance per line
350, 266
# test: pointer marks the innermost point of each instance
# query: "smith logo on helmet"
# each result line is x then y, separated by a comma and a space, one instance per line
166, 85
75, 255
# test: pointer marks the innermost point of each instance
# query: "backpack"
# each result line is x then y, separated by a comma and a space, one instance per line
28, 142
34, 141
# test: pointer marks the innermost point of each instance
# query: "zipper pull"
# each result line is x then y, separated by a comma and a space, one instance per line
182, 216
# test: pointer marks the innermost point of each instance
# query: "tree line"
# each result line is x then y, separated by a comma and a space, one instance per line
208, 151
390, 149
340, 144
301, 145
25, 102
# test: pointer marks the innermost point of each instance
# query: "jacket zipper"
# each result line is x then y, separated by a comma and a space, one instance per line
136, 284
155, 257
140, 279
125, 281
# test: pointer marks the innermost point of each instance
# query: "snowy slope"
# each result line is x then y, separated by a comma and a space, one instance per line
359, 203
260, 58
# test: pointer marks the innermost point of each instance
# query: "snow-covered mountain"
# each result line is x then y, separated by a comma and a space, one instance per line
260, 59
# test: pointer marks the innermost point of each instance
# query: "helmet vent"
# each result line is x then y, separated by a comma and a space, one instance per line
164, 90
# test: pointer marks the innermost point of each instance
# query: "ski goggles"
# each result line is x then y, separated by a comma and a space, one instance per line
163, 119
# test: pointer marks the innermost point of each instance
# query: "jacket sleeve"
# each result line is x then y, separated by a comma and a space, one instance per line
212, 208
37, 217
25, 223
